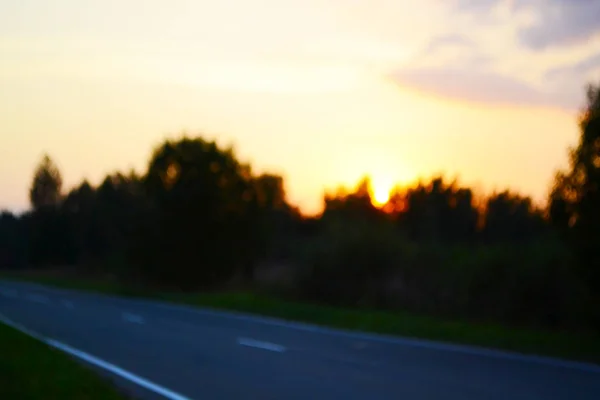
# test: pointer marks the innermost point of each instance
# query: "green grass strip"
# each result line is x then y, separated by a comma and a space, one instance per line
30, 369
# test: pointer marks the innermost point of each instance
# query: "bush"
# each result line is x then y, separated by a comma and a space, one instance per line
372, 265
531, 284
347, 264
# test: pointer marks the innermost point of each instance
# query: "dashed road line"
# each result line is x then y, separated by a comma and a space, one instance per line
133, 318
261, 345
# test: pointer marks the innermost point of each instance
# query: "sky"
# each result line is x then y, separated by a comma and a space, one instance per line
320, 91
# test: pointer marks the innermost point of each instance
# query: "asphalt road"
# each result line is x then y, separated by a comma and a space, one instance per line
160, 350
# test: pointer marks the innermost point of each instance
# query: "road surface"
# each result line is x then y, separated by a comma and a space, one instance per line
164, 351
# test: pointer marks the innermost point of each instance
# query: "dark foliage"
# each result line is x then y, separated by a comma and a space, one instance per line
199, 217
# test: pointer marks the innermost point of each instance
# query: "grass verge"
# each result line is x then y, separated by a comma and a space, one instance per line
32, 370
567, 345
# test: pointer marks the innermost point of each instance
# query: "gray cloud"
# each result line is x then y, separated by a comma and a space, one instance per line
467, 79
563, 22
560, 22
481, 87
478, 6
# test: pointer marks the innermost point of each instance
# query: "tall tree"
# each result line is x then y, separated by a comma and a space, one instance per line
575, 197
48, 230
198, 224
47, 183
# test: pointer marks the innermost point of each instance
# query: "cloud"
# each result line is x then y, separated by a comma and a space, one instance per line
563, 77
478, 6
543, 48
479, 87
576, 70
453, 66
562, 22
449, 40
455, 49
555, 22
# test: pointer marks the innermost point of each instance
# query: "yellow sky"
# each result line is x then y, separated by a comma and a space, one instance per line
320, 91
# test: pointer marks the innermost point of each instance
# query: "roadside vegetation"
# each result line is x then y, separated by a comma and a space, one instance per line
438, 260
32, 370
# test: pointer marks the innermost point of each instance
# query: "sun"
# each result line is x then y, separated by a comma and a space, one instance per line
381, 194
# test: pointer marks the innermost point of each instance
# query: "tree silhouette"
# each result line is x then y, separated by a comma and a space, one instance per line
197, 224
78, 209
270, 191
47, 183
101, 219
437, 212
13, 241
510, 217
199, 216
272, 214
351, 204
575, 197
48, 230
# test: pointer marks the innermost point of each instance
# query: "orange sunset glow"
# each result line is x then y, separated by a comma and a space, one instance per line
393, 90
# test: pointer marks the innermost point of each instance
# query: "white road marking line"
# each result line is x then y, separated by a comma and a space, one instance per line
38, 298
19, 327
67, 304
134, 319
261, 345
138, 380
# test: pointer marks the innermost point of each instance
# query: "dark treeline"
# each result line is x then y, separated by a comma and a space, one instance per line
199, 218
